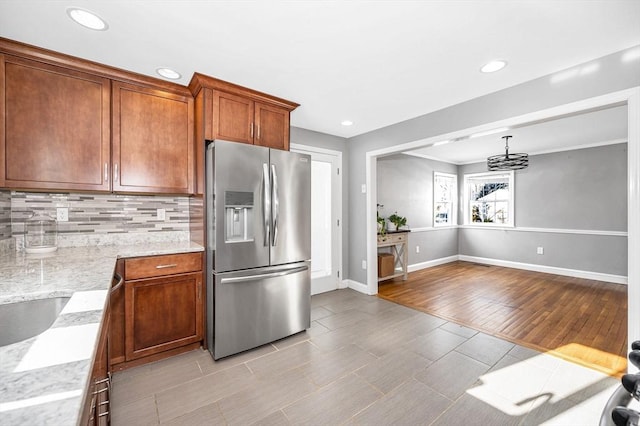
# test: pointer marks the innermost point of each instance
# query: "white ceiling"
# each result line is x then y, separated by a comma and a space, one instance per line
373, 62
589, 129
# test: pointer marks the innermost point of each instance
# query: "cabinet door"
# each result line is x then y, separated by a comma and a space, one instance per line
152, 140
162, 314
56, 131
272, 126
232, 118
116, 324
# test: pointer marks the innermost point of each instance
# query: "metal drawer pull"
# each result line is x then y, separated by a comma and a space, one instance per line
113, 289
106, 413
97, 382
100, 391
170, 265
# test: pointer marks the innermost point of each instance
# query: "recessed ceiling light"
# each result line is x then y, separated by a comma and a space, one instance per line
87, 19
168, 73
347, 123
494, 66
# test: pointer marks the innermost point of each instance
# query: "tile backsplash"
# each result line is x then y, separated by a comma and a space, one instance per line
5, 215
102, 218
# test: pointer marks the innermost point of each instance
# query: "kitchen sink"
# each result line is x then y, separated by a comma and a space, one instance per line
22, 320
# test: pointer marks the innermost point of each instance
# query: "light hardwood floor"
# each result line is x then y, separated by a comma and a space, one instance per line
584, 321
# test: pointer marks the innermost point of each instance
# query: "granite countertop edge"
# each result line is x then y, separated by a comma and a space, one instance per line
44, 383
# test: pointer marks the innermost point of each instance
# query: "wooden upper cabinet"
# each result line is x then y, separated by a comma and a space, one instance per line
240, 119
56, 129
233, 120
152, 140
230, 112
272, 126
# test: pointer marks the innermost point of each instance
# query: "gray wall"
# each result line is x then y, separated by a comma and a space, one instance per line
322, 140
613, 74
405, 185
577, 189
584, 189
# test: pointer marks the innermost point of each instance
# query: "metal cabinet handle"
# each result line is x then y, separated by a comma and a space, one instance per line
258, 131
266, 203
276, 204
100, 391
113, 289
170, 265
251, 130
257, 277
106, 172
115, 173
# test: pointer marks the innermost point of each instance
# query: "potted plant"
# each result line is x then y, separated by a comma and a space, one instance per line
398, 221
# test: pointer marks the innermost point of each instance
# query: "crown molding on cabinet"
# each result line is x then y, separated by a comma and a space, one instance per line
51, 57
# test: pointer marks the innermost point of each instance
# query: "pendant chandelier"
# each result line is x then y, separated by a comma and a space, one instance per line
517, 161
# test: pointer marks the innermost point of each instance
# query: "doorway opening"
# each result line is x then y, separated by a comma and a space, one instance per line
326, 217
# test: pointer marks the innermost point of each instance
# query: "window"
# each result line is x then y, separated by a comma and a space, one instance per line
445, 194
489, 199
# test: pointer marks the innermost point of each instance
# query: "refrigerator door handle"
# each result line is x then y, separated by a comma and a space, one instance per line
276, 204
263, 276
266, 202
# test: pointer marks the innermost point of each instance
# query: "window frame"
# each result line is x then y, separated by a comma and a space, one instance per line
454, 201
510, 174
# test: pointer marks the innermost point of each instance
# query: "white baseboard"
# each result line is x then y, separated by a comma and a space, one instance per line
343, 284
617, 279
355, 285
432, 263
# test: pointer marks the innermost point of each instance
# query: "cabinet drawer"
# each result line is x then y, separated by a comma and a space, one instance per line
392, 238
155, 266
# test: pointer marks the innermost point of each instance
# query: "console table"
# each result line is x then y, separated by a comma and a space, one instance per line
397, 241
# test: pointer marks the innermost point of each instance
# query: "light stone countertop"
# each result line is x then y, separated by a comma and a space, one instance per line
43, 378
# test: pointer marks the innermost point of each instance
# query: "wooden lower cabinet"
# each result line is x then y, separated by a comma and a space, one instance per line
158, 311
162, 314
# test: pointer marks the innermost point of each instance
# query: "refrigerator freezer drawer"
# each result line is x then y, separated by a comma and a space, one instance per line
252, 308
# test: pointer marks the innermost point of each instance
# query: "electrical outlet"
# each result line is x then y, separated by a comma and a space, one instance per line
363, 188
540, 250
364, 264
62, 214
160, 214
417, 249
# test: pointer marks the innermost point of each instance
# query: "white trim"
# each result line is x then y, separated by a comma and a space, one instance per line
531, 153
633, 214
431, 228
359, 287
432, 263
629, 96
617, 279
342, 284
307, 149
552, 151
549, 230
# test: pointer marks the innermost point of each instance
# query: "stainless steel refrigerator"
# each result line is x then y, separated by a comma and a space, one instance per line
258, 245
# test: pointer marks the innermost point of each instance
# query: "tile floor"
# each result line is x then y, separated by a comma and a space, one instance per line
365, 361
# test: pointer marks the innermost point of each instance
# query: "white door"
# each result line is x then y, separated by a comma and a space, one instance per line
326, 217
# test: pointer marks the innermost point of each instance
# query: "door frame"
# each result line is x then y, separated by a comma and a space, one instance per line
629, 97
307, 149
